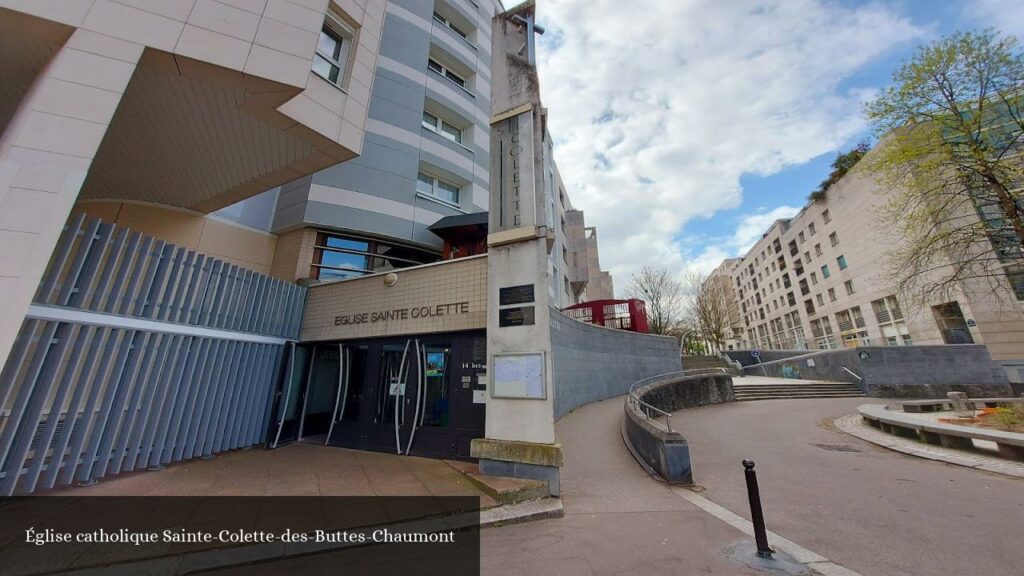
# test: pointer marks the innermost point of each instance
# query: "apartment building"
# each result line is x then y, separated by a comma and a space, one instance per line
819, 280
228, 224
720, 287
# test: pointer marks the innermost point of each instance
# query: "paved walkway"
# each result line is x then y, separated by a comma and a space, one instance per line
294, 470
853, 424
618, 520
872, 510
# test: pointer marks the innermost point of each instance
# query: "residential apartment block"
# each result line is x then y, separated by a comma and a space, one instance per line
720, 284
820, 280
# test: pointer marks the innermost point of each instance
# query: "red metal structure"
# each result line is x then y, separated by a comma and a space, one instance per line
621, 314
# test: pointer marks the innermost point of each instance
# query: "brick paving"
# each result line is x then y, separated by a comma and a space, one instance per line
854, 425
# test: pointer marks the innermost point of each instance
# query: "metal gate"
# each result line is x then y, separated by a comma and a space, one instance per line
137, 353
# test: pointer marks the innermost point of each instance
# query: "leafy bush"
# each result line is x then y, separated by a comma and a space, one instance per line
1010, 415
840, 166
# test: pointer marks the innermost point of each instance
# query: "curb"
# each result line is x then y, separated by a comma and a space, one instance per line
816, 562
852, 424
530, 510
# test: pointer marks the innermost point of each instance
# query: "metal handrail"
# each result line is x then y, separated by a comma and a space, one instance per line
696, 371
851, 372
643, 407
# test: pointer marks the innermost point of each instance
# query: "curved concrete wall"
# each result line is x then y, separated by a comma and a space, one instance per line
667, 453
594, 363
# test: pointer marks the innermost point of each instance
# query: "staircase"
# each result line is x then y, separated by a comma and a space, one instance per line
706, 362
798, 389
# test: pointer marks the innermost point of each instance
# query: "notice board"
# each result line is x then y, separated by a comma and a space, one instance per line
519, 376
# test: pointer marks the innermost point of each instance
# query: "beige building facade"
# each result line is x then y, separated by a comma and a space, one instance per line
820, 280
185, 106
720, 283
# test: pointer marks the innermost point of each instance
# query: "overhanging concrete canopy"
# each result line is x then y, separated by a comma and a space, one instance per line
199, 136
26, 45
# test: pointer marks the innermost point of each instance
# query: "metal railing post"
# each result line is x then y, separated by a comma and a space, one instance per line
756, 514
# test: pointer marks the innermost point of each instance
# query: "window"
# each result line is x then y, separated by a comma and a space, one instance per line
826, 216
887, 310
801, 237
821, 300
811, 229
831, 294
331, 58
807, 255
842, 262
437, 188
814, 277
817, 250
338, 257
442, 127
441, 19
834, 239
824, 271
452, 76
849, 286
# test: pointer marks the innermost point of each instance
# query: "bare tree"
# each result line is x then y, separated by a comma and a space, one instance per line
662, 293
950, 153
711, 307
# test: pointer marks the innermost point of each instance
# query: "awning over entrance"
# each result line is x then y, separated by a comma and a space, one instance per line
463, 235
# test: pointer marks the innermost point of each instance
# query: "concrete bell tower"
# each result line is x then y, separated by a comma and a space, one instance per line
520, 429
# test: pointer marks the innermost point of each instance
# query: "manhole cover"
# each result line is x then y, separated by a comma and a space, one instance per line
837, 447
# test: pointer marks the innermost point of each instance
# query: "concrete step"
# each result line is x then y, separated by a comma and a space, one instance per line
504, 490
808, 397
797, 392
786, 394
795, 389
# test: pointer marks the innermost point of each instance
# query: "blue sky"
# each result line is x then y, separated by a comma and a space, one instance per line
724, 114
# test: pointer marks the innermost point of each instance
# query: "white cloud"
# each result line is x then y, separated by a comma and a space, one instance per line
749, 229
658, 108
1004, 15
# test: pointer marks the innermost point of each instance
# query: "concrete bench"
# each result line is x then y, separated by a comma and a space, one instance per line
940, 404
1009, 444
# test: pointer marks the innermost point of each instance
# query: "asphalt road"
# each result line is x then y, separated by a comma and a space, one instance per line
872, 510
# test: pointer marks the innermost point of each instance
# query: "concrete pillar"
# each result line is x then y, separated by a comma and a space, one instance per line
45, 152
520, 427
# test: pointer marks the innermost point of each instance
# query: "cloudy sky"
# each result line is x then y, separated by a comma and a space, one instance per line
683, 128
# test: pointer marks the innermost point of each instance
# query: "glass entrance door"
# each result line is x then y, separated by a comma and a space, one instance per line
290, 397
417, 395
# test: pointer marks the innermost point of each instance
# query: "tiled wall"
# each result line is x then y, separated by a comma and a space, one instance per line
294, 255
429, 286
252, 249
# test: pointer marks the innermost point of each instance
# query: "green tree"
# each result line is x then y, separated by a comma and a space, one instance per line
949, 158
840, 166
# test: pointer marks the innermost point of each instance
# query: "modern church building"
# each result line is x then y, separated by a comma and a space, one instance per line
227, 224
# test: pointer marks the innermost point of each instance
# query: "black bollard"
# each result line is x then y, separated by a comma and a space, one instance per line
756, 515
